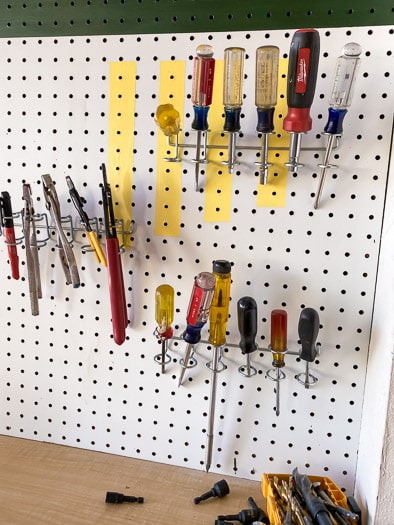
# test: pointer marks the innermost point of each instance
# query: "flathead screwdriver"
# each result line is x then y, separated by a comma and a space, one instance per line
247, 326
266, 92
308, 329
218, 316
233, 77
197, 315
278, 348
341, 98
202, 89
301, 85
164, 314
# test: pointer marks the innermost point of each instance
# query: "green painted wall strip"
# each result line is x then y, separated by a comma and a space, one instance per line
89, 17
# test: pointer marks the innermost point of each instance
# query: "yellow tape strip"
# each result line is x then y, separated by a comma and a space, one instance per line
169, 174
273, 194
218, 182
121, 138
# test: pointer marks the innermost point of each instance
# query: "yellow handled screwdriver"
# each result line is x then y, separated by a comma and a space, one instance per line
218, 317
168, 120
164, 313
234, 58
266, 93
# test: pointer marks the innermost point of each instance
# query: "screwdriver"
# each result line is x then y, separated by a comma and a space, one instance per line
301, 84
167, 118
218, 317
278, 348
266, 92
247, 326
202, 89
164, 311
308, 329
341, 98
233, 76
197, 316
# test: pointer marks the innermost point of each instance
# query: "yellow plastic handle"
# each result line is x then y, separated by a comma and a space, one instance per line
167, 118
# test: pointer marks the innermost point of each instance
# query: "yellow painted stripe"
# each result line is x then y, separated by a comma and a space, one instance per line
218, 182
169, 174
122, 87
273, 194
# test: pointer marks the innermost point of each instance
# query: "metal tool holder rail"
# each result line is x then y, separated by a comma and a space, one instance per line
71, 226
305, 378
177, 145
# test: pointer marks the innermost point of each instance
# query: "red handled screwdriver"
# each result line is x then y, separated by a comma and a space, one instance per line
197, 315
202, 89
301, 84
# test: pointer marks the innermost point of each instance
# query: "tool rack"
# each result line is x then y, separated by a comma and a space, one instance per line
63, 379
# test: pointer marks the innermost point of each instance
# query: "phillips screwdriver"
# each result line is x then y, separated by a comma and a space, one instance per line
233, 77
218, 317
197, 316
266, 92
308, 329
247, 326
301, 84
7, 222
114, 262
202, 89
278, 348
341, 98
164, 311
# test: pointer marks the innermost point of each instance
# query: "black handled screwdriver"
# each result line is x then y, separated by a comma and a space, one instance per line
301, 85
308, 329
247, 326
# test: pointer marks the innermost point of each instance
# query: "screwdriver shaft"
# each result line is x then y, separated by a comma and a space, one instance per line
324, 167
212, 406
185, 363
197, 161
277, 402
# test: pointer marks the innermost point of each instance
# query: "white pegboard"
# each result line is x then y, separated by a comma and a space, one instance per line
64, 380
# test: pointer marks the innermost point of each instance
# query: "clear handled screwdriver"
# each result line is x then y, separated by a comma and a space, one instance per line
341, 98
234, 58
202, 89
266, 93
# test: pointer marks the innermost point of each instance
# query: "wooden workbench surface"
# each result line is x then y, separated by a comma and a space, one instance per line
42, 483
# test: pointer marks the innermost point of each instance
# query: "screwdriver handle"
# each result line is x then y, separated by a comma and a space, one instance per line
116, 291
202, 86
301, 79
247, 324
308, 329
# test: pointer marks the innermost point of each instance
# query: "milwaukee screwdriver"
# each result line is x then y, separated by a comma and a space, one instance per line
301, 84
197, 316
218, 316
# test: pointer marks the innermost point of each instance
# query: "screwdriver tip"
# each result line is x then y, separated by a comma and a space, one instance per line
207, 467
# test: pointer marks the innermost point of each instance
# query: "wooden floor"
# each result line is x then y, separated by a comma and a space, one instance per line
42, 483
